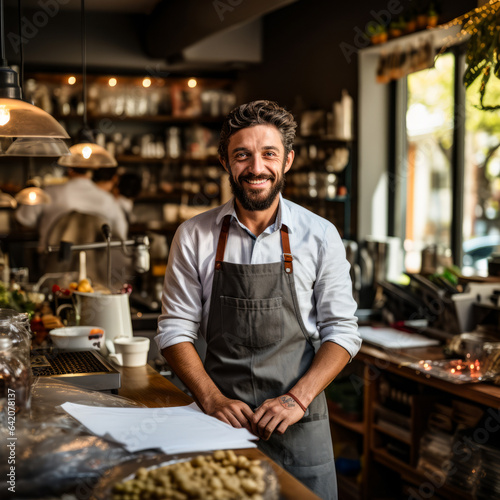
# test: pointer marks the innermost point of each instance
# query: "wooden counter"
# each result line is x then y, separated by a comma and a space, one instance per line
147, 386
395, 361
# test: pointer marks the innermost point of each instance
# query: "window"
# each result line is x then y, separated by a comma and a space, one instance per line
449, 149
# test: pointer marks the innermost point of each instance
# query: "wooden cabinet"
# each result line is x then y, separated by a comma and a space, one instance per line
408, 417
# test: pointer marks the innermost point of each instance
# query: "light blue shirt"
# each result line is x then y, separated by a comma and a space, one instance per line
320, 268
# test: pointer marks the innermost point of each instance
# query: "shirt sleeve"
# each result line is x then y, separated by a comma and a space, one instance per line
182, 294
27, 215
335, 305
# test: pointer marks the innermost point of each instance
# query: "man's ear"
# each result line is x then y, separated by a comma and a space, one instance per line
289, 160
223, 163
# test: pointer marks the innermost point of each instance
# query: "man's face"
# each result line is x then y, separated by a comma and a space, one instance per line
256, 166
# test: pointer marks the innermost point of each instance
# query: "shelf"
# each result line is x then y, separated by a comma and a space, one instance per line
317, 199
167, 161
182, 120
313, 139
395, 432
357, 427
349, 488
415, 476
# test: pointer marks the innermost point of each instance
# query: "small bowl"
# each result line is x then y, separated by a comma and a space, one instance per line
78, 338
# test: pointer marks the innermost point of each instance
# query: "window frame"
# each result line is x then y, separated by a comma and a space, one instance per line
397, 160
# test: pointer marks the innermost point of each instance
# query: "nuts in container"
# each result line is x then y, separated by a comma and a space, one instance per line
220, 476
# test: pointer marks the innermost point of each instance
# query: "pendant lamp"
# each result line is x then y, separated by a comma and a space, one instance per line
33, 196
38, 146
7, 201
86, 153
17, 117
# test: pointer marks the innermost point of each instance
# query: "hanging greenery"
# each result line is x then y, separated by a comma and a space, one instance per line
482, 26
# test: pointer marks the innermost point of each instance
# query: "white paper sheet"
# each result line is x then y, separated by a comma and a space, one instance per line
394, 339
180, 429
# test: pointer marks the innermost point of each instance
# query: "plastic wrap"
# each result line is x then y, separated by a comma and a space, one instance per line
54, 454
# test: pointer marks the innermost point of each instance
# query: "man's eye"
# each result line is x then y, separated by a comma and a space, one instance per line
241, 155
269, 153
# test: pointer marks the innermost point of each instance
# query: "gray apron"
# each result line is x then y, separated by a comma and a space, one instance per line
258, 348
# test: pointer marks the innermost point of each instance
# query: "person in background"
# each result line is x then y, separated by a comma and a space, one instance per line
106, 178
127, 190
79, 194
265, 282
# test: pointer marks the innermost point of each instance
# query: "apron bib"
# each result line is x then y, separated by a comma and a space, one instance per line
258, 348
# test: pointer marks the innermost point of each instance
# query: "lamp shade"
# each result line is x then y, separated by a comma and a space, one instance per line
87, 155
7, 201
33, 196
37, 146
20, 119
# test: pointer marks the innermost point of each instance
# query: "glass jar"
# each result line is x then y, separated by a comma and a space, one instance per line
13, 325
15, 389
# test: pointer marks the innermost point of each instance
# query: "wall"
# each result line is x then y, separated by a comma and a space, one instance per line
310, 51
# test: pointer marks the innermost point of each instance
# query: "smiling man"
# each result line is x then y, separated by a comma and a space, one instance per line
266, 283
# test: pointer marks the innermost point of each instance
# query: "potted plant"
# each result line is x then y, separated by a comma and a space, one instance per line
432, 16
377, 33
411, 21
397, 27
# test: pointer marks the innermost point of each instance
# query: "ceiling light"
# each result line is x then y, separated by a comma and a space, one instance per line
37, 146
146, 82
192, 83
33, 196
7, 201
112, 82
20, 119
86, 153
17, 117
71, 80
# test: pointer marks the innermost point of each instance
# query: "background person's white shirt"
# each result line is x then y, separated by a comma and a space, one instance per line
79, 194
321, 272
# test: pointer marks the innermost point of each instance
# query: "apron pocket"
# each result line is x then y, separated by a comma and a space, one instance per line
254, 323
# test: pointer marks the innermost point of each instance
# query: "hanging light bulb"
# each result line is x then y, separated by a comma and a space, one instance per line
32, 195
4, 116
86, 153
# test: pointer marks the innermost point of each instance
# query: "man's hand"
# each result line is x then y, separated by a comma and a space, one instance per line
275, 415
233, 412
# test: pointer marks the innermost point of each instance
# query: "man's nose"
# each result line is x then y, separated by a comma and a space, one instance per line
257, 166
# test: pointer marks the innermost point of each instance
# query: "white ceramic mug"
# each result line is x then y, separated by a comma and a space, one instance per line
128, 351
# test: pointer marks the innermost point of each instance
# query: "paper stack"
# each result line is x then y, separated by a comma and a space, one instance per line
181, 429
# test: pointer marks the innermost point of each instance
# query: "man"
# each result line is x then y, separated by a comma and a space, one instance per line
261, 278
78, 194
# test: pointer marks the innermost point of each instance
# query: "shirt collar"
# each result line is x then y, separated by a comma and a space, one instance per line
282, 217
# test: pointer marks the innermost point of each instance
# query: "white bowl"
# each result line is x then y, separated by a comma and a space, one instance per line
78, 338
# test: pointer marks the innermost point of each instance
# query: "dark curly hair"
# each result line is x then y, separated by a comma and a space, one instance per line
258, 113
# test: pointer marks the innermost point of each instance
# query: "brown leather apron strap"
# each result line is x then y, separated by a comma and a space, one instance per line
221, 246
224, 232
287, 254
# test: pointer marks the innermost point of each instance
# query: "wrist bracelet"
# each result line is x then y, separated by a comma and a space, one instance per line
304, 409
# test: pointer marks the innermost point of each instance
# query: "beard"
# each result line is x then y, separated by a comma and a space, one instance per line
252, 199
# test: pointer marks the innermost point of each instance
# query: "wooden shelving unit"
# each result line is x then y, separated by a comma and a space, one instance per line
378, 439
